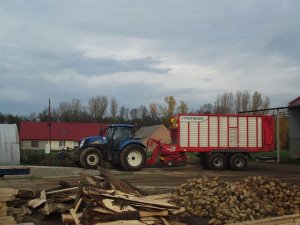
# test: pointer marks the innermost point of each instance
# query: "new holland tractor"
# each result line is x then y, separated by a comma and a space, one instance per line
118, 146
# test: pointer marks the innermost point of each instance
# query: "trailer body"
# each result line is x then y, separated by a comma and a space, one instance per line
206, 133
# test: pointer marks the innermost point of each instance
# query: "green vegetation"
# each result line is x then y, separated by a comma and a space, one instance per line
38, 157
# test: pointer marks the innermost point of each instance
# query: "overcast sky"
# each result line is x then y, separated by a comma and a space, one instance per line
141, 51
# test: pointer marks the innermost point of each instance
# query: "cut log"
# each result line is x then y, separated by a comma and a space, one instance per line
177, 211
44, 197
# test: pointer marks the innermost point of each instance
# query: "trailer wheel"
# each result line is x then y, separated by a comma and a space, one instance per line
217, 161
133, 158
238, 162
90, 158
170, 163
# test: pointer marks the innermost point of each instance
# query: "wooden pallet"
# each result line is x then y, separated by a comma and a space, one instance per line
281, 220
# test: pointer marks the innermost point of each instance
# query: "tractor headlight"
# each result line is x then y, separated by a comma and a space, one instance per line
81, 144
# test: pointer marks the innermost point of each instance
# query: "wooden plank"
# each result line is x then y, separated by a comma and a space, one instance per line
118, 183
102, 210
4, 220
67, 217
122, 222
109, 204
8, 191
34, 203
62, 190
159, 196
75, 217
142, 200
44, 197
177, 211
165, 222
6, 198
153, 213
3, 209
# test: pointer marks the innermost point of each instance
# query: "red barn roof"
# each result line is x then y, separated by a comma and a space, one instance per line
59, 131
295, 102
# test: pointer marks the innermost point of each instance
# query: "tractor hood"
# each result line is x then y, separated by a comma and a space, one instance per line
92, 140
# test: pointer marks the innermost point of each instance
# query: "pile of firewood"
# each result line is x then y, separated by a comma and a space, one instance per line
105, 199
229, 202
12, 209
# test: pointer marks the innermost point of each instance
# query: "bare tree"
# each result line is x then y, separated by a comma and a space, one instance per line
124, 113
134, 113
206, 109
182, 108
98, 106
113, 108
256, 101
142, 112
224, 103
245, 101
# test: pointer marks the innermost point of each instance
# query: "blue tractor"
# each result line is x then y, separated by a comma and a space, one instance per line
118, 146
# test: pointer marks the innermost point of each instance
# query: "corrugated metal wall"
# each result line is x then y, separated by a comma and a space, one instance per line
9, 145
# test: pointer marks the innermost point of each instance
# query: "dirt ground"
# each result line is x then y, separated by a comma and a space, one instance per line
150, 180
153, 180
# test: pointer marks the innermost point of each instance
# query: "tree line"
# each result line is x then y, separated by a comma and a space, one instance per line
102, 109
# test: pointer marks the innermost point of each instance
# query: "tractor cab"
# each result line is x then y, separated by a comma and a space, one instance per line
118, 133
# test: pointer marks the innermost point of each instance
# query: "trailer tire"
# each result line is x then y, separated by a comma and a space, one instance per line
133, 158
217, 161
238, 162
91, 158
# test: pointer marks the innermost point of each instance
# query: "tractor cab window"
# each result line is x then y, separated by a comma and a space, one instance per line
109, 134
121, 134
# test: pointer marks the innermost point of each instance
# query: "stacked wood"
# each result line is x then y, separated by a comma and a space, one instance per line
228, 202
105, 199
11, 211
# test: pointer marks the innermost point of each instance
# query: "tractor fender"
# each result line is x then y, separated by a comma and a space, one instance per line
124, 144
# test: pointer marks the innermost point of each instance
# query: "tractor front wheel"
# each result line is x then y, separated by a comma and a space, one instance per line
133, 158
90, 158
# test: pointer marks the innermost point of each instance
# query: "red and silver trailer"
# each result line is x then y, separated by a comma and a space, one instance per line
220, 140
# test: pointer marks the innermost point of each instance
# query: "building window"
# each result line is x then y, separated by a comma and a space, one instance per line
34, 144
62, 143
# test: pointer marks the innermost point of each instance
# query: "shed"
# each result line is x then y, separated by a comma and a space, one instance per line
158, 132
9, 145
294, 128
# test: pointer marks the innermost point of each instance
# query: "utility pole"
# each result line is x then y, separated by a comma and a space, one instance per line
277, 136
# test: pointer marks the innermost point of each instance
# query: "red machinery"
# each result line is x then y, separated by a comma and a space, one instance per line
219, 140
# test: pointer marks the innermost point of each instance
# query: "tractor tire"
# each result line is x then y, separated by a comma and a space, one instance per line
132, 158
238, 162
217, 161
91, 158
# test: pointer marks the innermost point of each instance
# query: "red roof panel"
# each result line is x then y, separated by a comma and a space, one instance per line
59, 131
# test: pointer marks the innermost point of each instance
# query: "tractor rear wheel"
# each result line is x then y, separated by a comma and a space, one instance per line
133, 158
90, 158
217, 161
238, 162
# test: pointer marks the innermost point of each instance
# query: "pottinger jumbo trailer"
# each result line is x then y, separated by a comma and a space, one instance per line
219, 140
